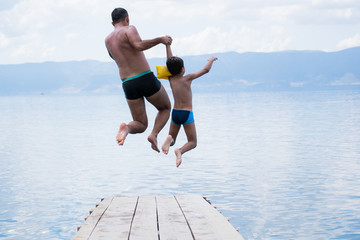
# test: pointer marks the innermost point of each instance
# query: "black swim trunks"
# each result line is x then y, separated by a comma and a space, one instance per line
142, 85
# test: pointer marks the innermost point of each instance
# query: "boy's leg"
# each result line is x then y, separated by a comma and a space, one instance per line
162, 103
171, 138
190, 131
139, 123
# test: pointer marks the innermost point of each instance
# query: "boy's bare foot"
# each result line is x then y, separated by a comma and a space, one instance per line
165, 147
123, 132
178, 157
153, 140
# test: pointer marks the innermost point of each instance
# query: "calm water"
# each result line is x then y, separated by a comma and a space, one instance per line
278, 165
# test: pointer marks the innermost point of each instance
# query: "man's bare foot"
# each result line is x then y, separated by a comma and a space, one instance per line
153, 140
165, 147
123, 132
178, 157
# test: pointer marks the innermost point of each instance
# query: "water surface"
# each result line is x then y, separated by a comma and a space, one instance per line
282, 165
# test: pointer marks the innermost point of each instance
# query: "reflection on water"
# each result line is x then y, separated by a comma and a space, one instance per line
278, 165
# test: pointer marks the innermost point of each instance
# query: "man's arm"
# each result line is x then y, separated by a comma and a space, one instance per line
203, 71
168, 51
141, 45
110, 54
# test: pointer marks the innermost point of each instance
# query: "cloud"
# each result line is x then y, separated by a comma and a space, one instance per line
6, 4
326, 12
42, 30
297, 84
238, 38
69, 90
350, 42
348, 79
64, 30
326, 4
107, 88
246, 82
4, 41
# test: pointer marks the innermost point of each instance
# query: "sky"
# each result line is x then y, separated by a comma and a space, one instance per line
68, 30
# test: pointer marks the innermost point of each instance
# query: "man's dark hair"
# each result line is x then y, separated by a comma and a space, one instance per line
174, 64
119, 15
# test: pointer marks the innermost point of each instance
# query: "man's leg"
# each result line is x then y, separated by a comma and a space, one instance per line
139, 123
162, 103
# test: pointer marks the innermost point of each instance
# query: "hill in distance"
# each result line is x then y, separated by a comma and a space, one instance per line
251, 71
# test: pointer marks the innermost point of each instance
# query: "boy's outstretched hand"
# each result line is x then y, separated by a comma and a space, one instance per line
213, 59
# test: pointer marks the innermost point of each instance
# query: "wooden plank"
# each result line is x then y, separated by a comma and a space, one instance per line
205, 221
172, 223
185, 217
116, 221
144, 225
91, 221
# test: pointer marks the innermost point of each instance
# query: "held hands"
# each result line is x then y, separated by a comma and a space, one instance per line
167, 40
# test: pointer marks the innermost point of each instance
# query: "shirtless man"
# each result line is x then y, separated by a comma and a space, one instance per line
126, 48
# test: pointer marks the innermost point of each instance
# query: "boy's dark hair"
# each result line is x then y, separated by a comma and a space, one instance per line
174, 64
119, 15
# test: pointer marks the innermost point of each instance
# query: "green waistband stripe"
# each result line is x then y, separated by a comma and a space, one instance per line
137, 76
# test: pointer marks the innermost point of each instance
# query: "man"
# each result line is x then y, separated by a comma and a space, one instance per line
126, 48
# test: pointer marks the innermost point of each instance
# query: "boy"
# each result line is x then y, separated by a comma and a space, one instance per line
182, 112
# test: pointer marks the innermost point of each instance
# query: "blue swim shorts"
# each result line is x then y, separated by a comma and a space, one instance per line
183, 117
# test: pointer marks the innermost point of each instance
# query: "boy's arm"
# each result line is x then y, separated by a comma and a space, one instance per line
203, 71
168, 51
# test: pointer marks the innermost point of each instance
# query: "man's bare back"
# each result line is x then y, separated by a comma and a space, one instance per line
121, 44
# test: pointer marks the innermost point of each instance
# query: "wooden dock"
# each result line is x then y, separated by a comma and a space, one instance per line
183, 217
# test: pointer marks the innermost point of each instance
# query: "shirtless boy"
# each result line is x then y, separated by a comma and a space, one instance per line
182, 112
126, 48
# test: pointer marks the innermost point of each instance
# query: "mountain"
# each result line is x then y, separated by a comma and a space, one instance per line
57, 77
251, 71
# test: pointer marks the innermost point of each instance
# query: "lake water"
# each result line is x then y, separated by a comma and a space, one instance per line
282, 165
